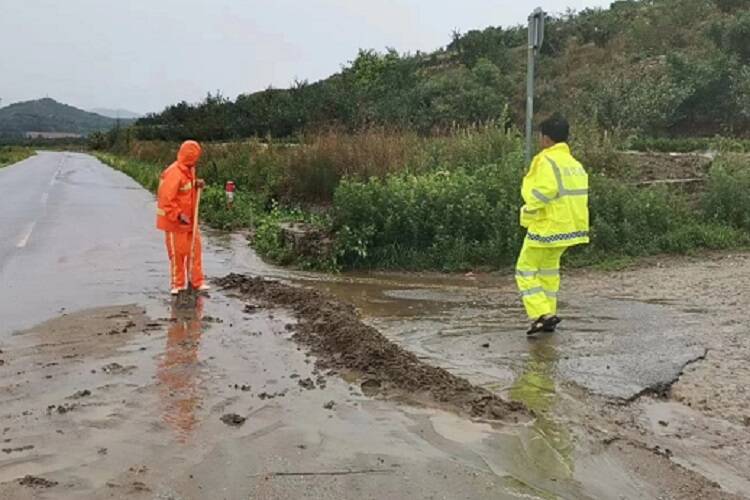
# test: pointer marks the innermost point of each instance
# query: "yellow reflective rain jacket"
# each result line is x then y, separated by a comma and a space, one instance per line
555, 193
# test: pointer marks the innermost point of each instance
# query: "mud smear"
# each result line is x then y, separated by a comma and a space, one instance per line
335, 334
36, 482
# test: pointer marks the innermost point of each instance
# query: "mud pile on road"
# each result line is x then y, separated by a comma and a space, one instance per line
340, 340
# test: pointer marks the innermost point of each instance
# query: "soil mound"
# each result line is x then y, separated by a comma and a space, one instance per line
335, 334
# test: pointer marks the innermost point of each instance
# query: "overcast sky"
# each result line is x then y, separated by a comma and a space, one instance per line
144, 54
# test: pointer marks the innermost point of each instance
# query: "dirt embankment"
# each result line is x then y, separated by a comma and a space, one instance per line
336, 335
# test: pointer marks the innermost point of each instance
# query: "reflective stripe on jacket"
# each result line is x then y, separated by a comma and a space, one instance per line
555, 193
176, 194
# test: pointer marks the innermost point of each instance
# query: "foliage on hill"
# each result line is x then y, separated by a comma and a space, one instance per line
48, 115
655, 67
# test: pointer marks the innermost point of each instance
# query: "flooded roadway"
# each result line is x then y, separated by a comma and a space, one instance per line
110, 392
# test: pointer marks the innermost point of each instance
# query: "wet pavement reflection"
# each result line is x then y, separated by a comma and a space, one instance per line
550, 448
178, 370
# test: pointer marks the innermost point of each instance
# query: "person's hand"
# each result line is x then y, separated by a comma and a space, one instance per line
184, 219
200, 183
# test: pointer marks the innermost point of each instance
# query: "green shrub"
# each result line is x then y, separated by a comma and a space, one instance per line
726, 201
13, 154
450, 202
214, 211
452, 219
630, 221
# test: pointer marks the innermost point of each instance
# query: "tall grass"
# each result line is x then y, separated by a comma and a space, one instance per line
13, 154
395, 199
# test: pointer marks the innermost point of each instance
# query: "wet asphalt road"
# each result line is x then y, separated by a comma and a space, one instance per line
75, 234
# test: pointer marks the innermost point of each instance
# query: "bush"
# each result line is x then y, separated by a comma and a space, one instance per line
451, 202
726, 200
629, 221
244, 212
13, 154
458, 219
445, 219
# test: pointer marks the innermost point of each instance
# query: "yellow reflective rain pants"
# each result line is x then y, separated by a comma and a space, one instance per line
538, 279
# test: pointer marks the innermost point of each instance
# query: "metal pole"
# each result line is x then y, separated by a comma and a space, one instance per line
536, 38
530, 90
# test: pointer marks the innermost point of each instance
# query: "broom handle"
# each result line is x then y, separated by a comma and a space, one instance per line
195, 232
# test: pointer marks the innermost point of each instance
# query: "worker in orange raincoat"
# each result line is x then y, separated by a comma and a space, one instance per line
175, 212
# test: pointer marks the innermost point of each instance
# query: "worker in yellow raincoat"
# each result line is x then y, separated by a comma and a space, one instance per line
556, 215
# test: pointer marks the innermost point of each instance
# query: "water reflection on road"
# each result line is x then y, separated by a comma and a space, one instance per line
179, 369
551, 447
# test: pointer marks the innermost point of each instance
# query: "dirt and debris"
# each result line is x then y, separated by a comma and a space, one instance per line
371, 387
233, 420
668, 166
8, 451
118, 369
329, 405
307, 383
62, 409
336, 335
266, 395
140, 486
36, 482
81, 394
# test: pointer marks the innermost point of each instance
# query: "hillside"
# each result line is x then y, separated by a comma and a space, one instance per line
649, 67
48, 115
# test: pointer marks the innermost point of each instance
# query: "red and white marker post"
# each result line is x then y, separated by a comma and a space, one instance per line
229, 191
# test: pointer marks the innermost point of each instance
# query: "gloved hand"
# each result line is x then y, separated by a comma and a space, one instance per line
527, 216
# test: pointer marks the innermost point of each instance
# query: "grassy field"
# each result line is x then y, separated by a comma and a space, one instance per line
401, 201
13, 154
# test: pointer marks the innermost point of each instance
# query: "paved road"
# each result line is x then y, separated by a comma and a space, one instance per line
75, 234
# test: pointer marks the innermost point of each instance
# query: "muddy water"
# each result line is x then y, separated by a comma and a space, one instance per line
130, 405
660, 330
625, 338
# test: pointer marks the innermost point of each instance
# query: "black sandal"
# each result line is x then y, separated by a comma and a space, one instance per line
537, 326
550, 324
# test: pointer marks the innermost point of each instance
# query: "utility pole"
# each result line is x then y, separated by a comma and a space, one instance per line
536, 37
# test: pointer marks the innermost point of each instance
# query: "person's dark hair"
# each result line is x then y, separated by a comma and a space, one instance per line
556, 127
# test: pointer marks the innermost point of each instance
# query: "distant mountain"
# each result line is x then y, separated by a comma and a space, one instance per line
49, 116
116, 113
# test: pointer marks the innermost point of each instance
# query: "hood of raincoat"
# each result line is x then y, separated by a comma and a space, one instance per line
189, 154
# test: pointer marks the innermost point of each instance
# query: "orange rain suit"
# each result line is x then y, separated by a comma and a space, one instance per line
176, 197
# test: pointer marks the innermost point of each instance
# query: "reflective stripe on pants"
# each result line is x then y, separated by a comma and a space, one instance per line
178, 250
538, 279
